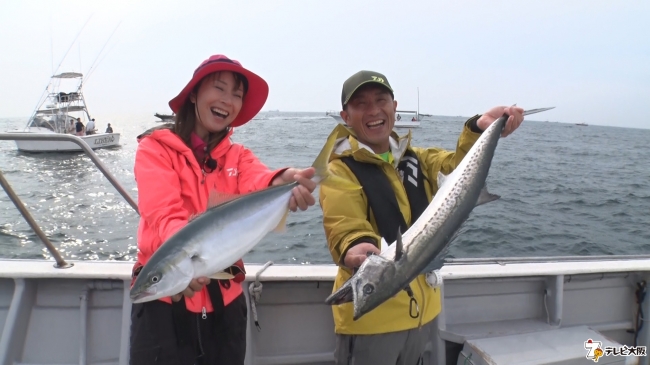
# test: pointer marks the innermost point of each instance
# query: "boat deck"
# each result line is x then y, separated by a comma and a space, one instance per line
59, 316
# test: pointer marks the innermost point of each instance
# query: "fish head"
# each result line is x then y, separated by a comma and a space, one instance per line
364, 289
161, 278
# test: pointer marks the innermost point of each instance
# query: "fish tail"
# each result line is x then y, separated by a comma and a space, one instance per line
321, 165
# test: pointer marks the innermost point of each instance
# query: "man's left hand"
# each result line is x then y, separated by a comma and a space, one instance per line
516, 116
302, 194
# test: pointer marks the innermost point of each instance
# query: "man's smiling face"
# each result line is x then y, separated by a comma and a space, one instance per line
371, 115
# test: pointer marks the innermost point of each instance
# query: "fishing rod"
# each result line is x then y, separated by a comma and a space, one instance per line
72, 44
91, 69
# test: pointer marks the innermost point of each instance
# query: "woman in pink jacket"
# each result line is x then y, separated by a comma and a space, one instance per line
176, 169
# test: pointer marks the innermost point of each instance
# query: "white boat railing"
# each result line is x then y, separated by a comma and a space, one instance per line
84, 146
60, 262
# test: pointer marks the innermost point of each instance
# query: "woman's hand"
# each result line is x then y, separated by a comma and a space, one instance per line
196, 285
302, 194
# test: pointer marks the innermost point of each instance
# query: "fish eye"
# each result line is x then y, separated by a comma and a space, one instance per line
155, 279
368, 289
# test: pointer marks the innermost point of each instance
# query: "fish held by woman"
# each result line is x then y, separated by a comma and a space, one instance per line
211, 242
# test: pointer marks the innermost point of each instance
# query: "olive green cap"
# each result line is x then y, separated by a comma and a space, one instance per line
361, 78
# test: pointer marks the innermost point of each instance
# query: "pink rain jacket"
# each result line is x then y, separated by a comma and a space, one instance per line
172, 187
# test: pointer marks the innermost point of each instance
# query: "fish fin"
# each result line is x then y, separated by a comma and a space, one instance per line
221, 275
439, 260
486, 197
282, 225
441, 179
321, 165
217, 198
399, 246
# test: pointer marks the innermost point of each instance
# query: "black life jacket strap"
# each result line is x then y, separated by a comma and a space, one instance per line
410, 169
381, 197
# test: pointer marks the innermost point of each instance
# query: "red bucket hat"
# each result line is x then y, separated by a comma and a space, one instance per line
258, 89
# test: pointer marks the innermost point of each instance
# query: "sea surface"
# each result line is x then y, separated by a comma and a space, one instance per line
565, 190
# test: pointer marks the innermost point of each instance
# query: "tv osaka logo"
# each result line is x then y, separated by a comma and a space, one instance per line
595, 350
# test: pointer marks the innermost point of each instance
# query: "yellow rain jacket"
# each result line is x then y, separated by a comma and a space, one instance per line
345, 221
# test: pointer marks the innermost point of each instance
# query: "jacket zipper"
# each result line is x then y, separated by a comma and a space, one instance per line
198, 335
423, 302
204, 316
420, 315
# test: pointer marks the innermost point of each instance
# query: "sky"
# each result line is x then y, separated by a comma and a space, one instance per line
588, 58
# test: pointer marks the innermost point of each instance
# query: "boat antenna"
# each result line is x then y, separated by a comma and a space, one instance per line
69, 48
95, 63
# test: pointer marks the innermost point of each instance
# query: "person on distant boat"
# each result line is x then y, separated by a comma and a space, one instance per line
392, 174
413, 119
176, 169
109, 129
90, 127
79, 127
70, 128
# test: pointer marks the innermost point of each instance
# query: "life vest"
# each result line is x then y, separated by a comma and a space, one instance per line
381, 197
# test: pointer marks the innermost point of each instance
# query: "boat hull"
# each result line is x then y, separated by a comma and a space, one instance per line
482, 299
95, 141
407, 124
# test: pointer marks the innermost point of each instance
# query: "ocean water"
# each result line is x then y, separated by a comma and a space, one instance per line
565, 190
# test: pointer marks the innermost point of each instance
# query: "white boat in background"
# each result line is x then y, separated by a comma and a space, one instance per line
57, 112
496, 311
403, 118
407, 119
336, 115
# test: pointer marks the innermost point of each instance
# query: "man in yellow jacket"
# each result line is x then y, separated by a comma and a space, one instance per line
398, 181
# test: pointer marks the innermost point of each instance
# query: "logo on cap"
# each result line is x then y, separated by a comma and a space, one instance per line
377, 79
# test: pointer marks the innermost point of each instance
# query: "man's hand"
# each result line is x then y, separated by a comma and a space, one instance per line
514, 121
196, 285
358, 253
302, 197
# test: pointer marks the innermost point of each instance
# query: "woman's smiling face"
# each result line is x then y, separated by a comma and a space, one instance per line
218, 101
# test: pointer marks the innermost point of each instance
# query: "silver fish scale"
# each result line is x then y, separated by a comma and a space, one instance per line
420, 248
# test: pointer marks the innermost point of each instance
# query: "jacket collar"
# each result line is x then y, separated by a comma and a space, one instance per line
347, 144
164, 135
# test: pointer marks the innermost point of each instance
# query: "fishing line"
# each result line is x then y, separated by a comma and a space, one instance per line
100, 52
73, 42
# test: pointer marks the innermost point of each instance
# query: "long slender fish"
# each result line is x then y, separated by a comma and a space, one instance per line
419, 250
217, 238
